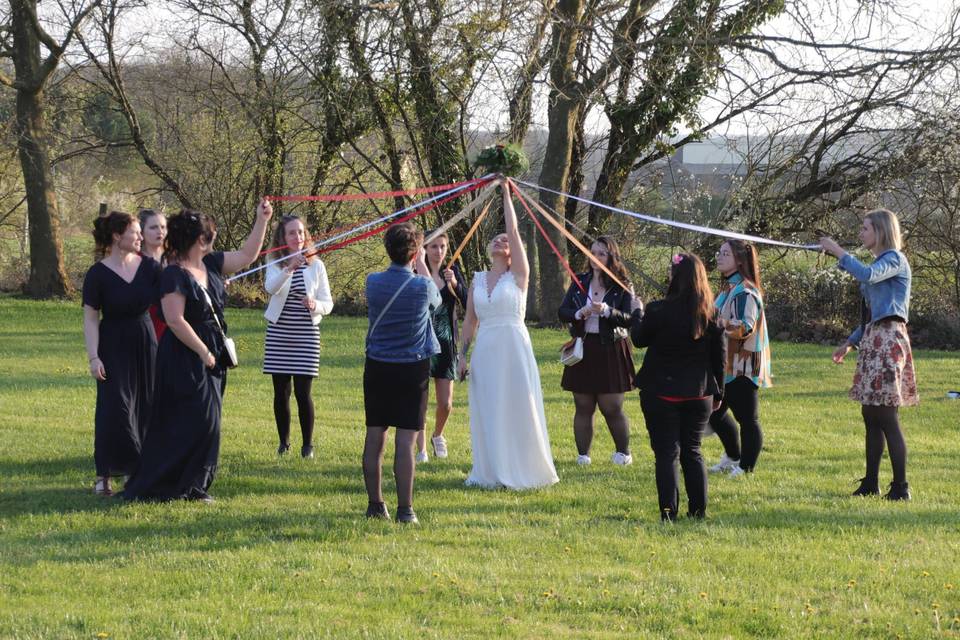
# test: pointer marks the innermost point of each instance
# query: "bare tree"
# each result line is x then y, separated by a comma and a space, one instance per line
24, 39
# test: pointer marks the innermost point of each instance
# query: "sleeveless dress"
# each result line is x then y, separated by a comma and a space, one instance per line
292, 344
508, 429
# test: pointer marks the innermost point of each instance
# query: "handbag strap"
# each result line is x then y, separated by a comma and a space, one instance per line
387, 306
213, 311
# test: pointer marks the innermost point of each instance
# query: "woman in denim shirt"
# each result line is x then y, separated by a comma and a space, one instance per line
400, 342
884, 379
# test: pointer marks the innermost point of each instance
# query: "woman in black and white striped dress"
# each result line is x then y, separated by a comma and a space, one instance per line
300, 297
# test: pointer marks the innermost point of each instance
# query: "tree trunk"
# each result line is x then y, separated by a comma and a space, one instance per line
562, 111
48, 278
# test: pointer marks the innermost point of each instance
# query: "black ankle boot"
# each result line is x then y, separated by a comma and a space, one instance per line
868, 487
898, 491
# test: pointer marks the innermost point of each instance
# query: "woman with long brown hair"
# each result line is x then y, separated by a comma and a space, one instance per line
740, 312
121, 344
299, 298
600, 315
443, 366
681, 381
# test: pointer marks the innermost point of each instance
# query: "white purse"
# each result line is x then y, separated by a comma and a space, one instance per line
571, 352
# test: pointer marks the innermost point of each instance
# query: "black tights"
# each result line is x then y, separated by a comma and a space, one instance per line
611, 406
740, 397
281, 406
883, 424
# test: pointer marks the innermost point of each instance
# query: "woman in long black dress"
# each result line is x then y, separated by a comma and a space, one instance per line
121, 346
182, 447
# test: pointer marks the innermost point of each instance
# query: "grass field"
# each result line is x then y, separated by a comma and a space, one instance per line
286, 553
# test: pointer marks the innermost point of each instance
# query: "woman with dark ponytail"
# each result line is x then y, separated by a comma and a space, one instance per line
182, 447
740, 312
680, 382
121, 345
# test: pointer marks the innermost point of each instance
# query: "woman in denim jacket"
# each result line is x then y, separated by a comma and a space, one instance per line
884, 379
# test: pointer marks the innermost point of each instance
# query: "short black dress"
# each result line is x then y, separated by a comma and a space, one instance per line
128, 350
180, 453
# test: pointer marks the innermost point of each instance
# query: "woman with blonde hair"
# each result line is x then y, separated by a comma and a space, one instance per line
884, 379
299, 298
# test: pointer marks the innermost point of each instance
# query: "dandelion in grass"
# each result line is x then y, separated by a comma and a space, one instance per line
935, 606
103, 634
703, 595
925, 574
948, 586
851, 584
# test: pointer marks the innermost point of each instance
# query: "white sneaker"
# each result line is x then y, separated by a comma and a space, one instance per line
422, 456
736, 472
622, 459
726, 464
439, 446
583, 460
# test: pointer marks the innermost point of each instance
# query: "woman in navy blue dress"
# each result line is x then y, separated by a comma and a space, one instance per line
121, 347
182, 447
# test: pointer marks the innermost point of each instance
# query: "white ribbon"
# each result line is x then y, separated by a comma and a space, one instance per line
682, 225
463, 213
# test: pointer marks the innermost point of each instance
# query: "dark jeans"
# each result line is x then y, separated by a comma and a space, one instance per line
740, 397
676, 429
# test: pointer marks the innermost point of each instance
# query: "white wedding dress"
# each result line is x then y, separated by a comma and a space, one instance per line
508, 428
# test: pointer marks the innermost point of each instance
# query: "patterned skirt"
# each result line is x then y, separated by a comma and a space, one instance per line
885, 375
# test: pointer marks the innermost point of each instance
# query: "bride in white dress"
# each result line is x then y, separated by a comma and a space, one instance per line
508, 428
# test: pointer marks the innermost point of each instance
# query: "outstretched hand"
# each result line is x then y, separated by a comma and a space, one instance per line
830, 246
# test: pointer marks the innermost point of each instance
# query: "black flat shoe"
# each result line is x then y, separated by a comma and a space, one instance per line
378, 511
283, 449
868, 487
306, 451
405, 515
898, 491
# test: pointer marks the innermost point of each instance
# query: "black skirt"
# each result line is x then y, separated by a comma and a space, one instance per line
605, 368
395, 393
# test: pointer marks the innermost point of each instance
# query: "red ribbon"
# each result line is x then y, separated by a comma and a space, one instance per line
412, 214
367, 196
573, 276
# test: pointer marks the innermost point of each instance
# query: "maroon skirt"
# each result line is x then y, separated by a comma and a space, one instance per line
605, 368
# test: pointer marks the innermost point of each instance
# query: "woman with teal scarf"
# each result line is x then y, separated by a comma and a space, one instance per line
740, 312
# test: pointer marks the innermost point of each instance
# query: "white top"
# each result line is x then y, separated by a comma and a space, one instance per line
315, 283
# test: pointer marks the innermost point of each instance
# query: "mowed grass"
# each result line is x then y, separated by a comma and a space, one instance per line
286, 553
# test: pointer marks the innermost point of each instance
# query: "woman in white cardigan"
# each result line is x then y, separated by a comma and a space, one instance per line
300, 297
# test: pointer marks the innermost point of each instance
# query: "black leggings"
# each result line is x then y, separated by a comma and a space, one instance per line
883, 424
740, 397
281, 405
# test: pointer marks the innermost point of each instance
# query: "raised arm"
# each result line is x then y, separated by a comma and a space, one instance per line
518, 255
467, 332
233, 261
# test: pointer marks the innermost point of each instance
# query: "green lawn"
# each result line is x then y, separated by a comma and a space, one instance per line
286, 553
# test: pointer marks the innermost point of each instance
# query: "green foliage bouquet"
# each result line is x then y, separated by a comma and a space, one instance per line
508, 159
